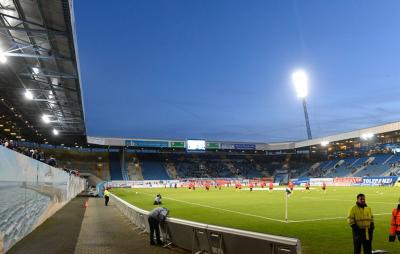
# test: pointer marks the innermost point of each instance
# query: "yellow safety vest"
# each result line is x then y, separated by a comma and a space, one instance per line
361, 216
106, 193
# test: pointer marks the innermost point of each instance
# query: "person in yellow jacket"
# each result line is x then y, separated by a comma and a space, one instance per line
361, 221
106, 196
395, 224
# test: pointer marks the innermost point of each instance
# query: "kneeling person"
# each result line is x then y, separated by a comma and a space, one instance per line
157, 200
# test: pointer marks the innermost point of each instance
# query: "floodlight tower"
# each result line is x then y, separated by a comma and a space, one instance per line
300, 81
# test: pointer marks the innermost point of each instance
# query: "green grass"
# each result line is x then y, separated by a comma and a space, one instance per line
323, 236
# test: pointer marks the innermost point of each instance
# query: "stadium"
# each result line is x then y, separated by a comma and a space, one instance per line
65, 190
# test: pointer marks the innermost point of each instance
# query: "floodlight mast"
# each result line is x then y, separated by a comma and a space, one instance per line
307, 120
300, 81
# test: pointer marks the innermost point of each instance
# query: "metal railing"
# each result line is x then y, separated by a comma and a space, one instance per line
204, 238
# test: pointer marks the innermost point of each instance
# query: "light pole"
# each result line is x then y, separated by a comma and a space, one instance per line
300, 81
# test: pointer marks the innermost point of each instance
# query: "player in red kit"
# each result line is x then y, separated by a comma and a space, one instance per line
271, 186
291, 186
251, 186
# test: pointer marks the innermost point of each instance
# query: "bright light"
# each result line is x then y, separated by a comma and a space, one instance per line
367, 136
196, 145
46, 118
324, 143
28, 95
35, 70
300, 81
3, 58
55, 132
54, 81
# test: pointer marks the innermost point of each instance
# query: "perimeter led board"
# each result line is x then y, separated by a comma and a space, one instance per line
196, 145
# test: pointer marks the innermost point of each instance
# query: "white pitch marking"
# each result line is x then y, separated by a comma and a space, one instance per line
333, 218
226, 210
262, 217
333, 199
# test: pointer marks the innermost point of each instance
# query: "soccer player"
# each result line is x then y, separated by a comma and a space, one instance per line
251, 186
262, 185
307, 186
207, 185
271, 186
291, 186
324, 186
288, 191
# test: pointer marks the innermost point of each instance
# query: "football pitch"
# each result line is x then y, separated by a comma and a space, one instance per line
315, 217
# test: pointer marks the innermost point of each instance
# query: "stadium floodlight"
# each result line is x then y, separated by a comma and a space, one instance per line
35, 70
300, 81
46, 118
367, 136
3, 58
324, 143
55, 132
28, 95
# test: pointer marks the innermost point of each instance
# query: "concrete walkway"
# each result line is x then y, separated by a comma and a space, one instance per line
96, 229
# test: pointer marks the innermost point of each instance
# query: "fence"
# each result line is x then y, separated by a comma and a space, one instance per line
199, 237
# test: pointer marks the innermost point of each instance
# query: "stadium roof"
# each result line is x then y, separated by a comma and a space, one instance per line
38, 53
290, 145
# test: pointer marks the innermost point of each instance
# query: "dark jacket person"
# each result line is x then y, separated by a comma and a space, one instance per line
157, 216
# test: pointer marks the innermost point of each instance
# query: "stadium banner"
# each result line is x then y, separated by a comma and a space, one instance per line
142, 184
301, 181
96, 140
177, 144
346, 181
378, 181
212, 145
32, 191
147, 143
244, 146
320, 181
227, 146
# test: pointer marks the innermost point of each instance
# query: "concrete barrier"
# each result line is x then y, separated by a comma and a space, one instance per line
200, 237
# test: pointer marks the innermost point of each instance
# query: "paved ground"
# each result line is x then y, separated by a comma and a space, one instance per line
96, 229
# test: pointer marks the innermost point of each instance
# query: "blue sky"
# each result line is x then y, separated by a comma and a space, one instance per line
220, 69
